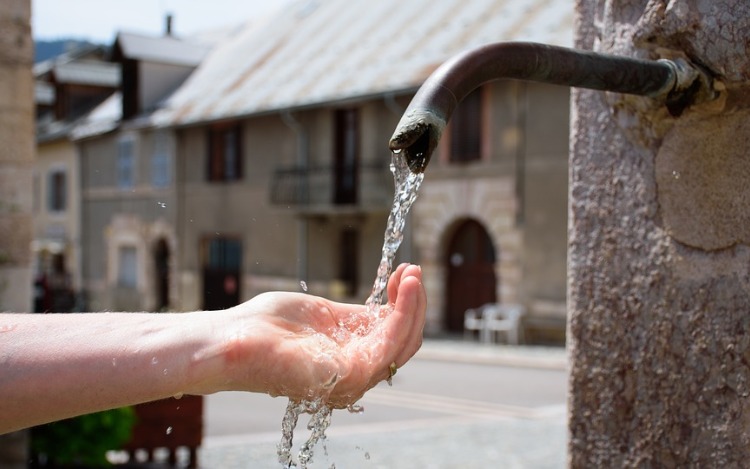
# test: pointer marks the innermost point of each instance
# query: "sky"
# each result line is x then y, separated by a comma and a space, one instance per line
100, 20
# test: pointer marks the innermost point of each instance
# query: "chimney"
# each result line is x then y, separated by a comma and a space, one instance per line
168, 25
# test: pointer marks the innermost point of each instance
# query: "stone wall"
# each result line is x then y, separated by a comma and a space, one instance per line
659, 288
16, 166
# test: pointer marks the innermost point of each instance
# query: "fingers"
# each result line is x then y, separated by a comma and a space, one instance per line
412, 290
403, 327
395, 280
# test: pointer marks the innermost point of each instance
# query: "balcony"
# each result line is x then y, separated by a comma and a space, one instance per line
322, 190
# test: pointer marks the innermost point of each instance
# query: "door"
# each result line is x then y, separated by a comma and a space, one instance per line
222, 260
471, 273
161, 275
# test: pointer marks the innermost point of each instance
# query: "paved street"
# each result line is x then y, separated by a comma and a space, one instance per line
456, 405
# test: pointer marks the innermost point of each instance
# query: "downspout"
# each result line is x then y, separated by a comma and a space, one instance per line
303, 162
677, 82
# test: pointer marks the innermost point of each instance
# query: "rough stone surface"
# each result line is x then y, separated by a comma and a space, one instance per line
658, 327
16, 156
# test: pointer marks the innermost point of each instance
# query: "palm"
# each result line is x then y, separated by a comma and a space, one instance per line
337, 351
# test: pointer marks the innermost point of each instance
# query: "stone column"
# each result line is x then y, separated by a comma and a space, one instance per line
16, 166
659, 283
16, 154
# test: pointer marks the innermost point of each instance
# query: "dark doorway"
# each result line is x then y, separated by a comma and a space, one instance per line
346, 161
470, 263
222, 260
161, 275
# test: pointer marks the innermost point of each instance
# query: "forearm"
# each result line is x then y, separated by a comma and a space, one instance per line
56, 366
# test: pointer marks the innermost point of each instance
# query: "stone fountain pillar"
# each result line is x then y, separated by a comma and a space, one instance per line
16, 166
659, 248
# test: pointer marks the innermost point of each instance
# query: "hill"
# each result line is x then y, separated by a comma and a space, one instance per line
44, 50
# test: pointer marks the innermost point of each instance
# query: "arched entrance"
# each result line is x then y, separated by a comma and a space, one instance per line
470, 264
161, 275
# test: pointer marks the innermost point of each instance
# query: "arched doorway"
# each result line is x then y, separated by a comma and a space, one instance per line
470, 264
161, 275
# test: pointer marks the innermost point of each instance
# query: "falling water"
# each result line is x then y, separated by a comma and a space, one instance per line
406, 189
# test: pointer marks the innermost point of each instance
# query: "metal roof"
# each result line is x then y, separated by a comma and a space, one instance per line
162, 49
88, 72
104, 118
323, 51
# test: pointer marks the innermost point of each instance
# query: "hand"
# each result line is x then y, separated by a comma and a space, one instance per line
307, 347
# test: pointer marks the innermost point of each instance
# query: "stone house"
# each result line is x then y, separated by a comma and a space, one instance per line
128, 205
66, 89
278, 143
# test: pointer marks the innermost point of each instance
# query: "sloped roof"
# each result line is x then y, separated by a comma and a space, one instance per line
104, 118
320, 51
88, 72
162, 49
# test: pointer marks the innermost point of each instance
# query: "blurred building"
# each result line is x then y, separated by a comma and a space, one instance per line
66, 88
263, 163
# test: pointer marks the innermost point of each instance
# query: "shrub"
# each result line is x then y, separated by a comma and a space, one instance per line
83, 440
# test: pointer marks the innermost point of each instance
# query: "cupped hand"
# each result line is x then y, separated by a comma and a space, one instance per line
308, 347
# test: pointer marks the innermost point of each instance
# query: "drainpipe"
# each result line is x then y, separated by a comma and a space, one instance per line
303, 158
677, 82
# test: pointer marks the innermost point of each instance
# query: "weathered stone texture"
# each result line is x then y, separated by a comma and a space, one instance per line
658, 330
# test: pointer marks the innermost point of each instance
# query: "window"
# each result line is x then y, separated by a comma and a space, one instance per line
160, 171
127, 273
57, 188
224, 254
346, 156
224, 153
348, 260
126, 163
466, 129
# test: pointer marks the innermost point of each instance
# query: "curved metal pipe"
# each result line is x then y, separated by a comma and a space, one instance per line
423, 122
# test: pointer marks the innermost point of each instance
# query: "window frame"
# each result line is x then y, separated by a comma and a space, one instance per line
127, 266
126, 162
161, 174
57, 190
220, 138
466, 129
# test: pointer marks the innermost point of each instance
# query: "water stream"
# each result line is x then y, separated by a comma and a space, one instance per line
406, 189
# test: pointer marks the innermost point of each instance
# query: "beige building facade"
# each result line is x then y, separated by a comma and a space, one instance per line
278, 184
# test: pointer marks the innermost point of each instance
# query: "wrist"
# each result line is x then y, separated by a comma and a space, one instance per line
226, 354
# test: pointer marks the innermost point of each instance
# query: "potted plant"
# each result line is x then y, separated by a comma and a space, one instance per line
83, 441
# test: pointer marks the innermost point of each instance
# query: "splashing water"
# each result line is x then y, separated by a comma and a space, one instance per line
318, 424
406, 189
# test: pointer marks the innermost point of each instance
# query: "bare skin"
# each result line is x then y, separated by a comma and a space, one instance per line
56, 366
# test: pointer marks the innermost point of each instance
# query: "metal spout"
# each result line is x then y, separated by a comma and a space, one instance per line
677, 82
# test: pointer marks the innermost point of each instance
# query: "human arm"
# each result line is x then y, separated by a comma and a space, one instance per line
60, 365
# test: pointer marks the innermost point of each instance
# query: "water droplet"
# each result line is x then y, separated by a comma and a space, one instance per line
367, 455
169, 430
676, 174
162, 204
114, 362
154, 361
303, 284
165, 371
